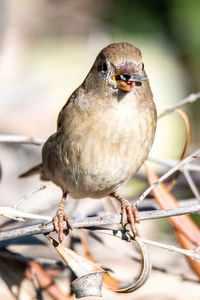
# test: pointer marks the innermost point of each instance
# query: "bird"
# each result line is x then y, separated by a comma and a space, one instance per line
104, 133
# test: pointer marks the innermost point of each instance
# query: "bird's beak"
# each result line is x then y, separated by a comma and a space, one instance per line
126, 79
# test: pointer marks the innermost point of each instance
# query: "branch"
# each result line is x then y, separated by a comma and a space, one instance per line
191, 184
173, 162
180, 165
21, 139
96, 221
193, 254
13, 213
186, 172
127, 235
190, 99
34, 191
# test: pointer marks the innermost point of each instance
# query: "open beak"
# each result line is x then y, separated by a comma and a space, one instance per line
126, 79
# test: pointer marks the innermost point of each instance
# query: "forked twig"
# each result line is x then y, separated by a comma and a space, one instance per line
177, 167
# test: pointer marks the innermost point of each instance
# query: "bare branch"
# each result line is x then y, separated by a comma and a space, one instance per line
96, 221
127, 235
21, 139
185, 170
16, 214
173, 162
179, 166
192, 185
36, 190
193, 254
190, 99
13, 213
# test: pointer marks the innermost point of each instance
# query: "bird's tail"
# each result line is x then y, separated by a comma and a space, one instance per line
35, 170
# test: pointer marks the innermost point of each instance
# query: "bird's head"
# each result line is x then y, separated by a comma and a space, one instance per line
119, 66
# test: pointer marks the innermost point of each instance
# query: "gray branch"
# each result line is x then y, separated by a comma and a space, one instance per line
190, 99
97, 221
21, 139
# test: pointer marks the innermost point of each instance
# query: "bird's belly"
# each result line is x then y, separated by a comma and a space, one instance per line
98, 164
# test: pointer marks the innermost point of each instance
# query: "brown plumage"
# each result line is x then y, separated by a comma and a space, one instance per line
104, 133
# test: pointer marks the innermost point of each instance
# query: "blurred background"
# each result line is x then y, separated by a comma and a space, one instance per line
47, 48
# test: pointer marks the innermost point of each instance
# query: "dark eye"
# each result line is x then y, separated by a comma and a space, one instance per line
103, 67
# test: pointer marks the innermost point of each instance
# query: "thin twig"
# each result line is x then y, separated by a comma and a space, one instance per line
173, 162
190, 99
97, 221
13, 213
192, 185
122, 234
193, 254
150, 202
180, 165
21, 139
36, 190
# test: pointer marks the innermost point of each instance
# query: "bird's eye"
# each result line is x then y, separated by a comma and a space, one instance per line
103, 67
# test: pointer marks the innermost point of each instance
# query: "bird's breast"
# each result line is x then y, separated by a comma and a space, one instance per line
105, 150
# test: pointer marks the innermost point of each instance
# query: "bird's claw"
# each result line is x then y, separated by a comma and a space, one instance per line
58, 221
130, 211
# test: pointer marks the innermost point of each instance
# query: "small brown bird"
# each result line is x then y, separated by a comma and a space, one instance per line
104, 132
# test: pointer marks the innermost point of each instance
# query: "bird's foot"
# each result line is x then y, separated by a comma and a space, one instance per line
130, 211
58, 221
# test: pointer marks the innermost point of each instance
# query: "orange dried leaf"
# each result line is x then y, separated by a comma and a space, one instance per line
46, 282
166, 200
108, 281
188, 232
82, 266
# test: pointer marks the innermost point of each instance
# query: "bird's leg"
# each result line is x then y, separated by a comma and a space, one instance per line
127, 210
60, 217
